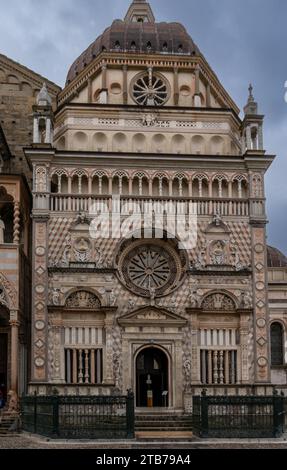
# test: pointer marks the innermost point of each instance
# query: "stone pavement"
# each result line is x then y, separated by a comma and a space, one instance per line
27, 441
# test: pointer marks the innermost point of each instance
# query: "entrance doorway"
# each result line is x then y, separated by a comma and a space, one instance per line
3, 364
152, 378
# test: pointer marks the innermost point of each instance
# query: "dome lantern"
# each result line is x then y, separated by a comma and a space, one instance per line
139, 12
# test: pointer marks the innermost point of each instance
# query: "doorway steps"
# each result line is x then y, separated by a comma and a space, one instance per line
163, 426
9, 424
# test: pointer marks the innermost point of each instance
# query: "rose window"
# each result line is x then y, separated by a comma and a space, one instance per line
149, 269
150, 90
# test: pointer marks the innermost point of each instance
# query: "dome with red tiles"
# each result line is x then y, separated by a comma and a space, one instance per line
137, 33
275, 258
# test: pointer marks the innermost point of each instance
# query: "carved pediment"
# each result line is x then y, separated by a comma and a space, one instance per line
152, 315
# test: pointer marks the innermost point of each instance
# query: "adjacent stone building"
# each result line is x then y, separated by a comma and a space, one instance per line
149, 257
19, 88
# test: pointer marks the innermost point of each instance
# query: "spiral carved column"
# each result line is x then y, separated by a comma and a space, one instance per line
16, 230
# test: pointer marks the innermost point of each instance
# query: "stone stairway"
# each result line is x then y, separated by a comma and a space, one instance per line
9, 424
173, 427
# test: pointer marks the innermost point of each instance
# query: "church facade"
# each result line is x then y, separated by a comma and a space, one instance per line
149, 257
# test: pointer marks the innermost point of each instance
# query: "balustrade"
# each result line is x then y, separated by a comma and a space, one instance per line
84, 366
199, 206
218, 366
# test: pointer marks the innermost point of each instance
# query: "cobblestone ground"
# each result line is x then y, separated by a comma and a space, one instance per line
25, 441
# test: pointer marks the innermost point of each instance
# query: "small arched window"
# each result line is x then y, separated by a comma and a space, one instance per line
277, 355
148, 46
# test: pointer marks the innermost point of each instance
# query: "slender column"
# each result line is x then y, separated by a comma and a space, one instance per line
197, 91
210, 367
176, 87
221, 375
208, 96
68, 366
81, 375
190, 188
70, 185
248, 138
130, 186
108, 369
215, 366
150, 187
14, 324
90, 91
90, 185
226, 367
104, 77
87, 375
75, 367
92, 374
170, 187
260, 137
48, 131
210, 188
230, 189
110, 185
99, 366
36, 136
16, 231
125, 84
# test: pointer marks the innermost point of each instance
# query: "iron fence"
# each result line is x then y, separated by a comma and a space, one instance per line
79, 417
239, 416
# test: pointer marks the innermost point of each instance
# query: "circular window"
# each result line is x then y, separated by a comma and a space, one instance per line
116, 88
150, 90
185, 90
150, 268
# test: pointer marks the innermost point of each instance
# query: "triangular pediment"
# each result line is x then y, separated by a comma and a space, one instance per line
152, 315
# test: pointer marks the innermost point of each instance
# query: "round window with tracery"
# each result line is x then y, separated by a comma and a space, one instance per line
150, 90
149, 269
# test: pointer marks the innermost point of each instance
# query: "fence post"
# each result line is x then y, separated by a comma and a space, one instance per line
204, 413
278, 414
55, 404
35, 412
130, 410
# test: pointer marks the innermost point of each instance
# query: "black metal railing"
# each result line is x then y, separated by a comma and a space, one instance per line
79, 417
239, 416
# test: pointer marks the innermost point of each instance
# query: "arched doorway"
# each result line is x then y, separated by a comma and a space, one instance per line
152, 378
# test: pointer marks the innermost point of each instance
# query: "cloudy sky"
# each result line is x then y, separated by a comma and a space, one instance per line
244, 41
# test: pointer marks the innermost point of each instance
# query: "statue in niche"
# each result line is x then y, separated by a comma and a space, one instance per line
82, 218
99, 257
217, 220
246, 299
2, 230
56, 296
193, 297
218, 256
113, 298
66, 258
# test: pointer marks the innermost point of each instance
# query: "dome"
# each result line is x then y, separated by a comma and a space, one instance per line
138, 33
275, 258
